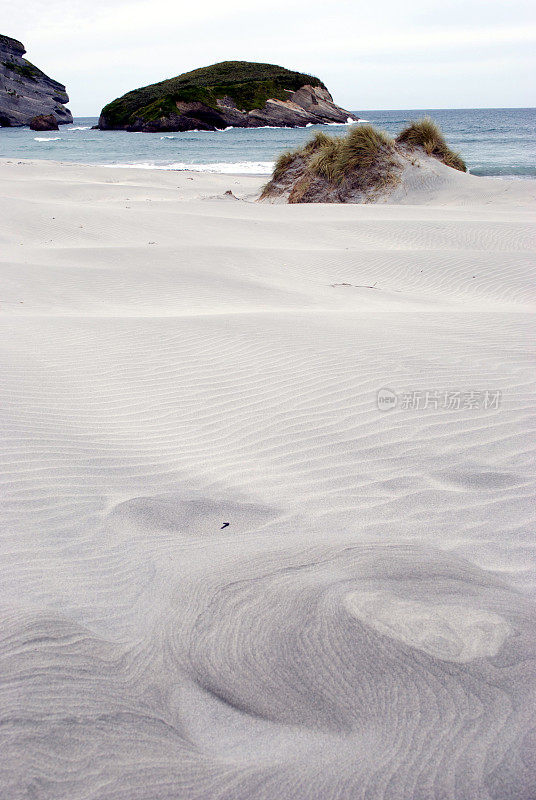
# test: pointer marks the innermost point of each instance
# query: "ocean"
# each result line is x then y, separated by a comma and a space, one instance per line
496, 141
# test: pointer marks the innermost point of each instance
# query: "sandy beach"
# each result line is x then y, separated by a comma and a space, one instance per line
229, 571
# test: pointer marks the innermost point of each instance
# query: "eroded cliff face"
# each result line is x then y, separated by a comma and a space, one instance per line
25, 91
309, 105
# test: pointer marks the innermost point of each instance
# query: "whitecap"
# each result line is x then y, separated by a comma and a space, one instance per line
231, 168
349, 121
79, 128
47, 138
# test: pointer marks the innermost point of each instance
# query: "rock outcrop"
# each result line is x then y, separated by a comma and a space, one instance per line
25, 91
44, 122
237, 94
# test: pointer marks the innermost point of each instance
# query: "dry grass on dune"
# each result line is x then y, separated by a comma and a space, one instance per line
363, 148
318, 144
331, 168
325, 161
282, 164
336, 157
357, 167
318, 141
426, 134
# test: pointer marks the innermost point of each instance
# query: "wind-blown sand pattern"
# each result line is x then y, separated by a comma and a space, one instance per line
174, 359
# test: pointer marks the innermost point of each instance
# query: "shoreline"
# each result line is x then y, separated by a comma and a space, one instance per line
446, 187
494, 142
203, 168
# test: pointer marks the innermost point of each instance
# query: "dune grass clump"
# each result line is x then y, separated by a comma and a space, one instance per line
359, 167
335, 157
319, 140
362, 148
363, 161
426, 134
282, 164
317, 144
324, 160
336, 167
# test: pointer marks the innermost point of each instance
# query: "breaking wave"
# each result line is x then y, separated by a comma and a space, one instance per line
231, 168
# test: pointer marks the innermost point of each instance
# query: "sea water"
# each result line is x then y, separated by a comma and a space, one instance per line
497, 141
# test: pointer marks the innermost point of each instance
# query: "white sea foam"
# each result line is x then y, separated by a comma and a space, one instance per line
47, 138
194, 130
79, 128
231, 168
349, 121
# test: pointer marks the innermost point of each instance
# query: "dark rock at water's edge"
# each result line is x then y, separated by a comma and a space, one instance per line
25, 91
238, 94
44, 122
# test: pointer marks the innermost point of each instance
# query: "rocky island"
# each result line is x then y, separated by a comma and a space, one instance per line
238, 94
26, 93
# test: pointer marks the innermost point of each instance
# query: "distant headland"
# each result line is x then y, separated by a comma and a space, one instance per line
238, 94
27, 95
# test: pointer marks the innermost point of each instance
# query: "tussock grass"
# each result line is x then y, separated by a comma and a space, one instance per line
283, 163
426, 134
324, 160
334, 157
332, 168
362, 148
319, 140
365, 155
359, 167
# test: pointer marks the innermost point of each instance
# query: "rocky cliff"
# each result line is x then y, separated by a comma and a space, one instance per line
25, 91
238, 94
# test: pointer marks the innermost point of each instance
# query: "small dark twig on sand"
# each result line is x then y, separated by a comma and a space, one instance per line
357, 285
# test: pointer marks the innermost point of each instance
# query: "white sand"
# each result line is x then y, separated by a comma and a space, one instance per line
172, 360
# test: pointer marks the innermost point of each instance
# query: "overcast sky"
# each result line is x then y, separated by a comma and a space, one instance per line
371, 55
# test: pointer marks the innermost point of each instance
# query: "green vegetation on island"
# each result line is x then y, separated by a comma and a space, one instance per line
248, 85
230, 94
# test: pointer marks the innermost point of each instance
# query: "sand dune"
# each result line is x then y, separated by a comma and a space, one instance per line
173, 359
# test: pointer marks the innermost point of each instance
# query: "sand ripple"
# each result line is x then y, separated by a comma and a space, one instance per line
226, 575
